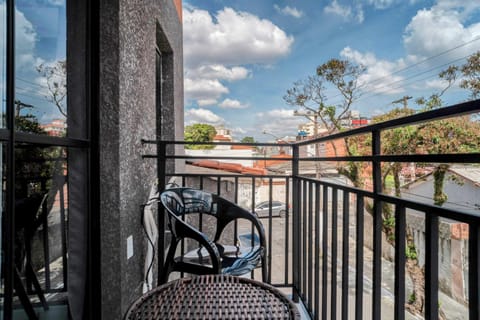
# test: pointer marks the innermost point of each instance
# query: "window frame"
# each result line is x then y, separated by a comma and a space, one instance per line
81, 142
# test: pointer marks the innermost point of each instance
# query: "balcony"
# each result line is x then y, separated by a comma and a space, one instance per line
350, 250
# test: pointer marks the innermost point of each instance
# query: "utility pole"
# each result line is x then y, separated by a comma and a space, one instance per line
312, 116
20, 105
278, 140
403, 100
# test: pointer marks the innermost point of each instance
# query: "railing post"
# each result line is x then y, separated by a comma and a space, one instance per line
473, 271
161, 177
377, 226
295, 222
431, 265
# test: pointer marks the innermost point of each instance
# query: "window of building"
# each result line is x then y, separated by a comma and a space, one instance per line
44, 147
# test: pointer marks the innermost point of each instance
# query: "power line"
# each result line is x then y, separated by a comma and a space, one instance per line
403, 82
32, 83
416, 64
427, 59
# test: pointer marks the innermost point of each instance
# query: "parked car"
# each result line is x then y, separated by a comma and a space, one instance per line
263, 209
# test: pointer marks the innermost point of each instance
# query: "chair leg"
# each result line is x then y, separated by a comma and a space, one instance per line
167, 268
22, 295
36, 285
264, 269
168, 264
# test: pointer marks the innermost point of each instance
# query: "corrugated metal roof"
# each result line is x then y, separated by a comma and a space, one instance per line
468, 172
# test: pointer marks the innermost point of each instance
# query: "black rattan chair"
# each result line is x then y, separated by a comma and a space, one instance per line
209, 256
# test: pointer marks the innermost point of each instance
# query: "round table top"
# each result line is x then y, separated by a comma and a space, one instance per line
213, 297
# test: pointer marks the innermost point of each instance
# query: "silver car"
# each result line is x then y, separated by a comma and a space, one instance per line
263, 209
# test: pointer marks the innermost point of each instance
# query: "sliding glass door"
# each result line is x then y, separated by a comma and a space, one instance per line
44, 149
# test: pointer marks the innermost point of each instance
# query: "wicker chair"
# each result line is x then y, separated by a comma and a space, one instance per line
210, 256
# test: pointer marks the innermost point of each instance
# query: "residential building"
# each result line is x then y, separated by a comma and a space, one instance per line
462, 187
55, 128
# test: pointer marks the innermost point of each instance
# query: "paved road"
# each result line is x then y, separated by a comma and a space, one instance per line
452, 309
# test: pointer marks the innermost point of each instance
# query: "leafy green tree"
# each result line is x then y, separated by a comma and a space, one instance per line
445, 136
248, 139
199, 132
30, 164
471, 74
452, 135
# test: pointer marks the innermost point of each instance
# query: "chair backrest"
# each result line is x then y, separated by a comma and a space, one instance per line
181, 201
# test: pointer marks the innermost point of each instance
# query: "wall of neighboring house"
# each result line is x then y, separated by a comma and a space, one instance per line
453, 247
130, 32
224, 152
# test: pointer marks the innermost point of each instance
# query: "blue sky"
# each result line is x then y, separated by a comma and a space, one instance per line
40, 39
241, 56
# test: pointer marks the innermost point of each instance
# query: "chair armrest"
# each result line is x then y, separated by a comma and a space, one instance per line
187, 232
227, 212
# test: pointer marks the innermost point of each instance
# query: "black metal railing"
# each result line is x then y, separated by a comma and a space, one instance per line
324, 235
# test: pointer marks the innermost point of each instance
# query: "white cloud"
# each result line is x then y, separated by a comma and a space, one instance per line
206, 102
336, 8
202, 116
382, 4
435, 36
217, 71
441, 28
238, 131
279, 122
231, 38
437, 84
289, 11
57, 2
232, 104
347, 12
205, 91
218, 47
379, 76
25, 41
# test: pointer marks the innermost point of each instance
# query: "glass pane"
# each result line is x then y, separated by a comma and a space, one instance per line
3, 64
41, 218
40, 66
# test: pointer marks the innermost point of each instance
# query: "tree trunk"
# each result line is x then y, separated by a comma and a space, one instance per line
439, 197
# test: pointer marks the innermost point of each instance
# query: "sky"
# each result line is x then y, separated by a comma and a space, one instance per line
40, 39
241, 56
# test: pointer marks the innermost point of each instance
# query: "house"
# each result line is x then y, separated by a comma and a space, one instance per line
462, 187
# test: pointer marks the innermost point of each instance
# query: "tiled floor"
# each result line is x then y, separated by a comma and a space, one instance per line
54, 312
303, 312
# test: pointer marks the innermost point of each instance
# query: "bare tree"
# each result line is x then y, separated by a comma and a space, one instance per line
56, 77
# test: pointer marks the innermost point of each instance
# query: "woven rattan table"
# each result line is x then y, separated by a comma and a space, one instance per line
213, 297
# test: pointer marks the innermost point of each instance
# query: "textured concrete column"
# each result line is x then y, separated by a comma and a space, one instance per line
128, 111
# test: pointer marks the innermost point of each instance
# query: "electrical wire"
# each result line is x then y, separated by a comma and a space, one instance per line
32, 83
370, 83
425, 60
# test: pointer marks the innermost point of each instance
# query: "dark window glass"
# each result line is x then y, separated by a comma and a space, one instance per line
3, 65
2, 212
3, 95
41, 219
